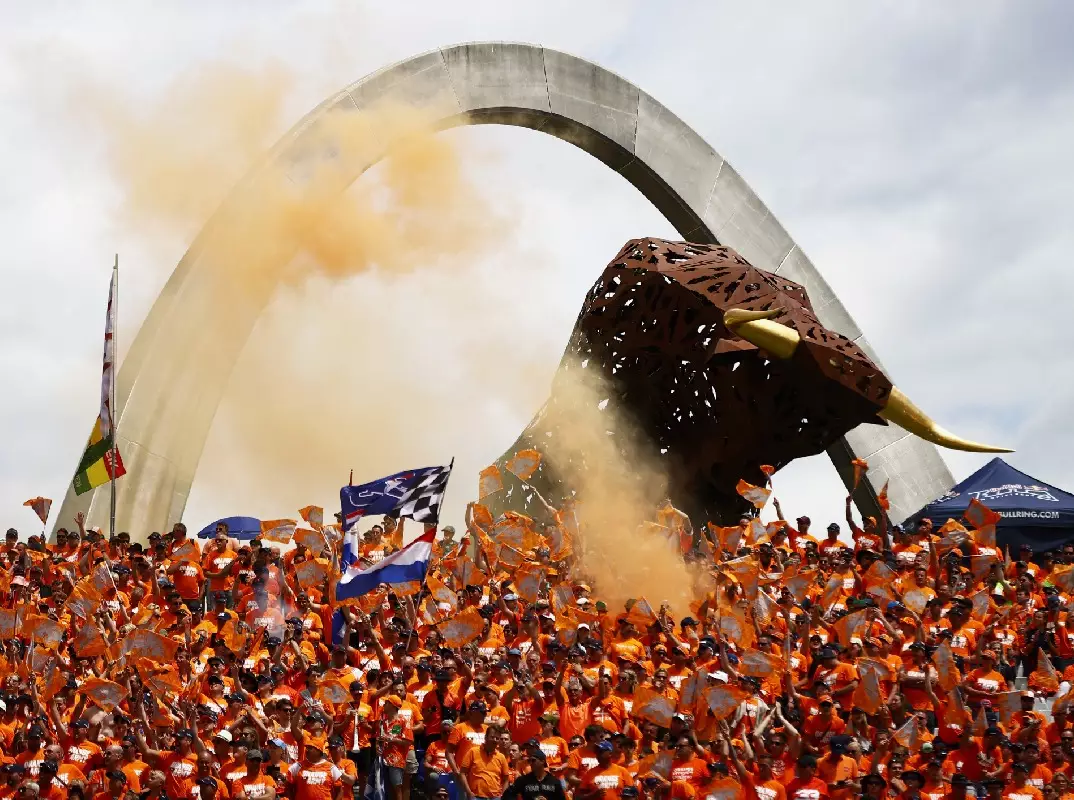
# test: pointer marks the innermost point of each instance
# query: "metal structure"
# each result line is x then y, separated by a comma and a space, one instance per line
685, 389
166, 404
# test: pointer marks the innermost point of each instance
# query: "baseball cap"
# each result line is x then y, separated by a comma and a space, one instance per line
603, 747
223, 735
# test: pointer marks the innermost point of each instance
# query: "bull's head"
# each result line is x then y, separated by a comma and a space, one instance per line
723, 367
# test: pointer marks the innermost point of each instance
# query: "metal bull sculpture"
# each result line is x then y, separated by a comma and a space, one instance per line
719, 367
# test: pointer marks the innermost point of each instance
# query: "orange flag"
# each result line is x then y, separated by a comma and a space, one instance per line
799, 583
947, 674
508, 558
88, 642
861, 466
84, 600
765, 609
981, 565
852, 626
334, 692
1064, 701
768, 470
1044, 678
723, 700
8, 618
149, 644
231, 636
833, 590
528, 581
312, 572
979, 515
524, 463
106, 694
467, 574
515, 530
313, 515
909, 735
734, 627
867, 695
692, 692
489, 481
187, 551
915, 599
440, 592
879, 574
562, 599
163, 680
758, 664
44, 631
566, 630
652, 706
882, 498
757, 495
408, 589
463, 628
640, 613
1063, 577
560, 543
982, 604
278, 530
40, 506
310, 539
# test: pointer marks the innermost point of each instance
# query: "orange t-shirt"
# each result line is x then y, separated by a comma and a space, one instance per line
394, 753
610, 780
315, 781
486, 773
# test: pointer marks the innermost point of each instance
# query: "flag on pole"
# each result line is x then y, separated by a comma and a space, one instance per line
96, 467
402, 566
416, 493
40, 506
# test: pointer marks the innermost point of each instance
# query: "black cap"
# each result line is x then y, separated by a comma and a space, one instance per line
255, 755
49, 766
114, 775
207, 782
958, 779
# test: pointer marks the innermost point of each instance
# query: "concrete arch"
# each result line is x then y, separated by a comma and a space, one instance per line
165, 408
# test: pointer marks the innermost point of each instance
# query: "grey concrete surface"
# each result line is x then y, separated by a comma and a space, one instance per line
167, 395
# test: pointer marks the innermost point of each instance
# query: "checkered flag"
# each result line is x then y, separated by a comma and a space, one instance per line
422, 502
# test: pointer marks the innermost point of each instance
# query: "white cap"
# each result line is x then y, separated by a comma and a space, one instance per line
720, 676
583, 625
225, 735
443, 606
582, 601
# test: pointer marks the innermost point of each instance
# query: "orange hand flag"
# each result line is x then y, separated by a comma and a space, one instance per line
947, 674
916, 599
163, 680
562, 599
313, 515
312, 572
852, 626
106, 694
278, 530
1044, 678
89, 642
757, 495
768, 470
909, 735
528, 581
765, 608
44, 631
310, 539
463, 628
758, 664
723, 700
482, 517
515, 530
861, 466
882, 498
489, 481
467, 574
652, 706
566, 631
799, 583
509, 557
524, 463
833, 590
691, 692
84, 600
40, 506
1064, 701
867, 695
730, 538
187, 551
408, 589
560, 543
1063, 578
979, 515
981, 565
440, 592
149, 645
734, 627
232, 637
879, 574
982, 604
334, 692
8, 618
640, 613
986, 536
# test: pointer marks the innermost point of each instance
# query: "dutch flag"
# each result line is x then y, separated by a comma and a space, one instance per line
403, 566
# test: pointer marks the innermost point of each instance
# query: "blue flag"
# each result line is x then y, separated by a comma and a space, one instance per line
416, 493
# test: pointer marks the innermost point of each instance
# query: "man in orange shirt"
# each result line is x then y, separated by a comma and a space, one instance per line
484, 771
838, 770
255, 784
315, 777
117, 786
805, 785
605, 781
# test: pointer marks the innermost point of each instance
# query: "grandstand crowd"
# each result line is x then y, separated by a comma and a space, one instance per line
866, 661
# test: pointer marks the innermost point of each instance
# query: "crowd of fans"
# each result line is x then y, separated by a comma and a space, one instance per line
878, 662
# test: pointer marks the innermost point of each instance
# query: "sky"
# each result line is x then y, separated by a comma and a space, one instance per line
917, 152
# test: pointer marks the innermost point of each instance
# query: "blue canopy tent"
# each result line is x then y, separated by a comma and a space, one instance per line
1032, 512
244, 528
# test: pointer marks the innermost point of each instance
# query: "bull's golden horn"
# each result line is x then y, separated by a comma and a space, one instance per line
905, 414
757, 328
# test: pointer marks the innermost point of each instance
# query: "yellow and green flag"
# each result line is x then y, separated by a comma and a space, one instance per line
96, 466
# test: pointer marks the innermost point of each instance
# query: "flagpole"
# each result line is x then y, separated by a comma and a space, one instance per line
112, 400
